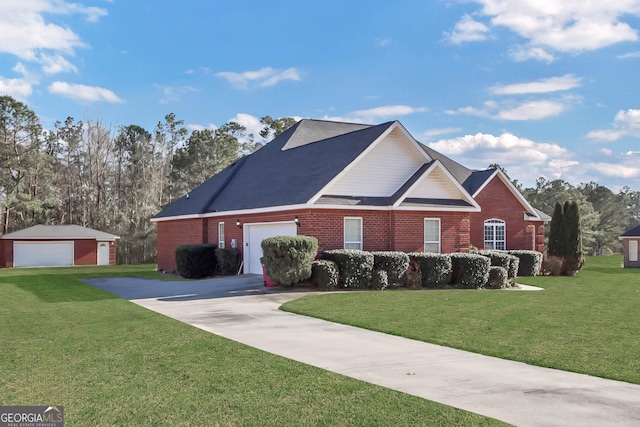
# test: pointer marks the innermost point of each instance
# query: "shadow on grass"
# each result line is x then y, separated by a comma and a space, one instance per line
59, 288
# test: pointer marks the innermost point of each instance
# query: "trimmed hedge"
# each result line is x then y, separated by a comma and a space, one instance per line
469, 270
287, 259
196, 261
324, 274
530, 262
379, 279
503, 259
394, 263
226, 261
498, 278
355, 267
436, 269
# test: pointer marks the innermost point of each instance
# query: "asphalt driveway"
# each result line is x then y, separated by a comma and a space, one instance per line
242, 309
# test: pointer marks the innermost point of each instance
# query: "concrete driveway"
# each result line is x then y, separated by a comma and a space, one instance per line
242, 309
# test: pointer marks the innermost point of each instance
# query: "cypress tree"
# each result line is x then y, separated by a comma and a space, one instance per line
555, 232
574, 255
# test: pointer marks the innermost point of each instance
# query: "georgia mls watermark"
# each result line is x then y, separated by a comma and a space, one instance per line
31, 416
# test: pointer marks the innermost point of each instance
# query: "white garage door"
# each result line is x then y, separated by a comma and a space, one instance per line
254, 234
42, 254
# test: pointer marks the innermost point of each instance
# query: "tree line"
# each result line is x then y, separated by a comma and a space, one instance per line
115, 179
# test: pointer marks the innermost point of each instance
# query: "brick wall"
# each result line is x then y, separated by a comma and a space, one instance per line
172, 234
382, 230
85, 252
497, 202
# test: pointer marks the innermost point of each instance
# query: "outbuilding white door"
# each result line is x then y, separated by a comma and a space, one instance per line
254, 234
103, 253
42, 254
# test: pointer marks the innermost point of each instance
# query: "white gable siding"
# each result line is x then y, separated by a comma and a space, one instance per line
382, 171
436, 185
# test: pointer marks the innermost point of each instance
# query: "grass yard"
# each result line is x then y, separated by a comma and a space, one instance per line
110, 362
589, 323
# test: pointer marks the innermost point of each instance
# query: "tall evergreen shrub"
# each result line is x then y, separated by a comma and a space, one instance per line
287, 259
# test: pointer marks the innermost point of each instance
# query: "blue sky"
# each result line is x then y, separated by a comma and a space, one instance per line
542, 88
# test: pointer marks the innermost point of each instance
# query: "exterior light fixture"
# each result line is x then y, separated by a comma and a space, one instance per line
238, 223
297, 221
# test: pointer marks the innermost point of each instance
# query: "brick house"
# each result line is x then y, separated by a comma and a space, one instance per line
351, 186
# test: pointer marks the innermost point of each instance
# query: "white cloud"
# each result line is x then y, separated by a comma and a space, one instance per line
374, 115
630, 55
17, 88
467, 30
534, 110
173, 93
56, 64
389, 111
615, 170
551, 84
523, 158
266, 76
25, 33
251, 123
606, 151
439, 131
570, 26
625, 123
606, 135
83, 93
531, 110
382, 42
525, 53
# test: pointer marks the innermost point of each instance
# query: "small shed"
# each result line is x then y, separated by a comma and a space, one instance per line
57, 245
630, 242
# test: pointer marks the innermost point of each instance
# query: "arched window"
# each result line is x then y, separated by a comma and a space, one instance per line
495, 234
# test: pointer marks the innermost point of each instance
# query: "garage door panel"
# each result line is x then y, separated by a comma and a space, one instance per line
255, 234
42, 254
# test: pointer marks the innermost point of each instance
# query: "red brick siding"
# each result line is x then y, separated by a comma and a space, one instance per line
497, 202
85, 252
382, 230
172, 234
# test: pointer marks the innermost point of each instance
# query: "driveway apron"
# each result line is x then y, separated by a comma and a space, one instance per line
242, 309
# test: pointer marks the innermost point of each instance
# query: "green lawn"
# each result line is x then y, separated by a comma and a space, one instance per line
111, 362
589, 323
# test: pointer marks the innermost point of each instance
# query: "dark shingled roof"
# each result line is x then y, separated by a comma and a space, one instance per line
303, 160
634, 232
292, 177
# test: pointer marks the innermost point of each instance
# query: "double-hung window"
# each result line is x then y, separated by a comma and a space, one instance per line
495, 234
432, 235
353, 233
221, 235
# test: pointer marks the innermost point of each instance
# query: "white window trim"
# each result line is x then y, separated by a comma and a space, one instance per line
424, 232
344, 231
497, 221
221, 241
633, 250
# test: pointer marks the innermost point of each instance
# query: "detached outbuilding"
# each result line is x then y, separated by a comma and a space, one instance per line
630, 242
57, 245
